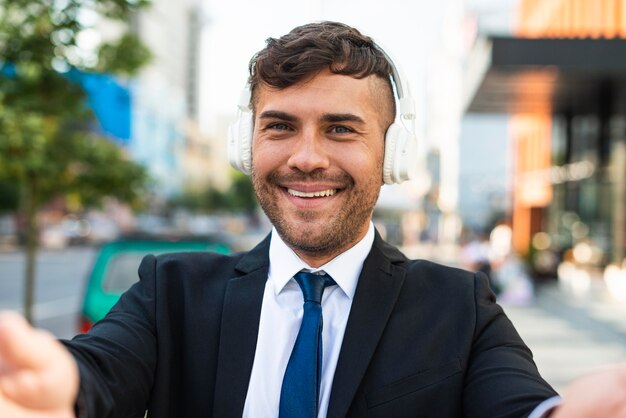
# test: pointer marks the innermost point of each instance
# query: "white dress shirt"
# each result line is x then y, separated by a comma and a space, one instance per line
281, 314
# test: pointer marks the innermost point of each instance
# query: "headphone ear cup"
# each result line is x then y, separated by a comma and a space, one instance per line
245, 142
240, 142
400, 161
391, 140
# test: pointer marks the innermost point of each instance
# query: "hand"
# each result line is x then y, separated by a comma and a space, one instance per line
601, 394
38, 376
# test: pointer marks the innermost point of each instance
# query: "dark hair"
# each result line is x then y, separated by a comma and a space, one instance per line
311, 48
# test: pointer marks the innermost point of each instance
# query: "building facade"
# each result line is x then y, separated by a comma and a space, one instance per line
165, 99
562, 80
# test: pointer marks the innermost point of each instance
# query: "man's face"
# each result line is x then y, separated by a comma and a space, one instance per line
317, 156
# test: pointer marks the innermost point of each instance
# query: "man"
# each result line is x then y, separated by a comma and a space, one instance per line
210, 335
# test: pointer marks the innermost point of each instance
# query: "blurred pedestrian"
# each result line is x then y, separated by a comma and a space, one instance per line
475, 256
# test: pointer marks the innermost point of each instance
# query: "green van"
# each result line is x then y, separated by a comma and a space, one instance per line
115, 269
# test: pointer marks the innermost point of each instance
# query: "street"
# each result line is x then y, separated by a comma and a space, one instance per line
59, 285
569, 336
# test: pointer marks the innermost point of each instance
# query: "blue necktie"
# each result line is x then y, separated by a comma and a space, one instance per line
301, 385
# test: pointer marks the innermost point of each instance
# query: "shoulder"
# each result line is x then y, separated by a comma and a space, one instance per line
447, 279
189, 267
430, 270
458, 296
198, 260
209, 263
191, 260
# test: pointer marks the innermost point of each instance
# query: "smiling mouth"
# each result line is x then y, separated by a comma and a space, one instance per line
321, 193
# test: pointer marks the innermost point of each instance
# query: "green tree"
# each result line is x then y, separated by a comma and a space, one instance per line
241, 194
10, 195
239, 197
48, 146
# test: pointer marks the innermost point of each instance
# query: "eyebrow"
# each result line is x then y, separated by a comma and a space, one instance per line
342, 117
327, 117
276, 114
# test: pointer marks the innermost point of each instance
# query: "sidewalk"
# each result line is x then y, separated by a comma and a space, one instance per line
571, 336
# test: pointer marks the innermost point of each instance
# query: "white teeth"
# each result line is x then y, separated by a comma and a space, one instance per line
323, 193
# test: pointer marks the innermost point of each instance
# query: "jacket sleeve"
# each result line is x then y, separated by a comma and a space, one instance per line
502, 379
117, 358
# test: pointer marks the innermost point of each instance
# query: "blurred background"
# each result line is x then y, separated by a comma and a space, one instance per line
113, 124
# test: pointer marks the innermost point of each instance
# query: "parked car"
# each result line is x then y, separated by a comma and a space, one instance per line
115, 268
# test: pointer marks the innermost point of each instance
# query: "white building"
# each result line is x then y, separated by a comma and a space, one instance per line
166, 138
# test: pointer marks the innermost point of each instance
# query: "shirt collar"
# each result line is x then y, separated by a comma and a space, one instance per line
344, 269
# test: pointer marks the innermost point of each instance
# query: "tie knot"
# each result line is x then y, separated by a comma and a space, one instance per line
313, 285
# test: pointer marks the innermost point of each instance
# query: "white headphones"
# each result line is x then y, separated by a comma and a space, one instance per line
400, 162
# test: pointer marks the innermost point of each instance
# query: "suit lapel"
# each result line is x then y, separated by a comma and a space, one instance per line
376, 294
239, 331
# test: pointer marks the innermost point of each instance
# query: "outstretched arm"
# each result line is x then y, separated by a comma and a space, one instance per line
38, 376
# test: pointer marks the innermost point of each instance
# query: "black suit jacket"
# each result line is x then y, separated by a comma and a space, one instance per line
422, 340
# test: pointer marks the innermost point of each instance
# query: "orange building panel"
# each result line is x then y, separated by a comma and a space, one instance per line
572, 19
532, 186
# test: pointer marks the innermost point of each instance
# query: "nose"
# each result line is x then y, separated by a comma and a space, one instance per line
309, 153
